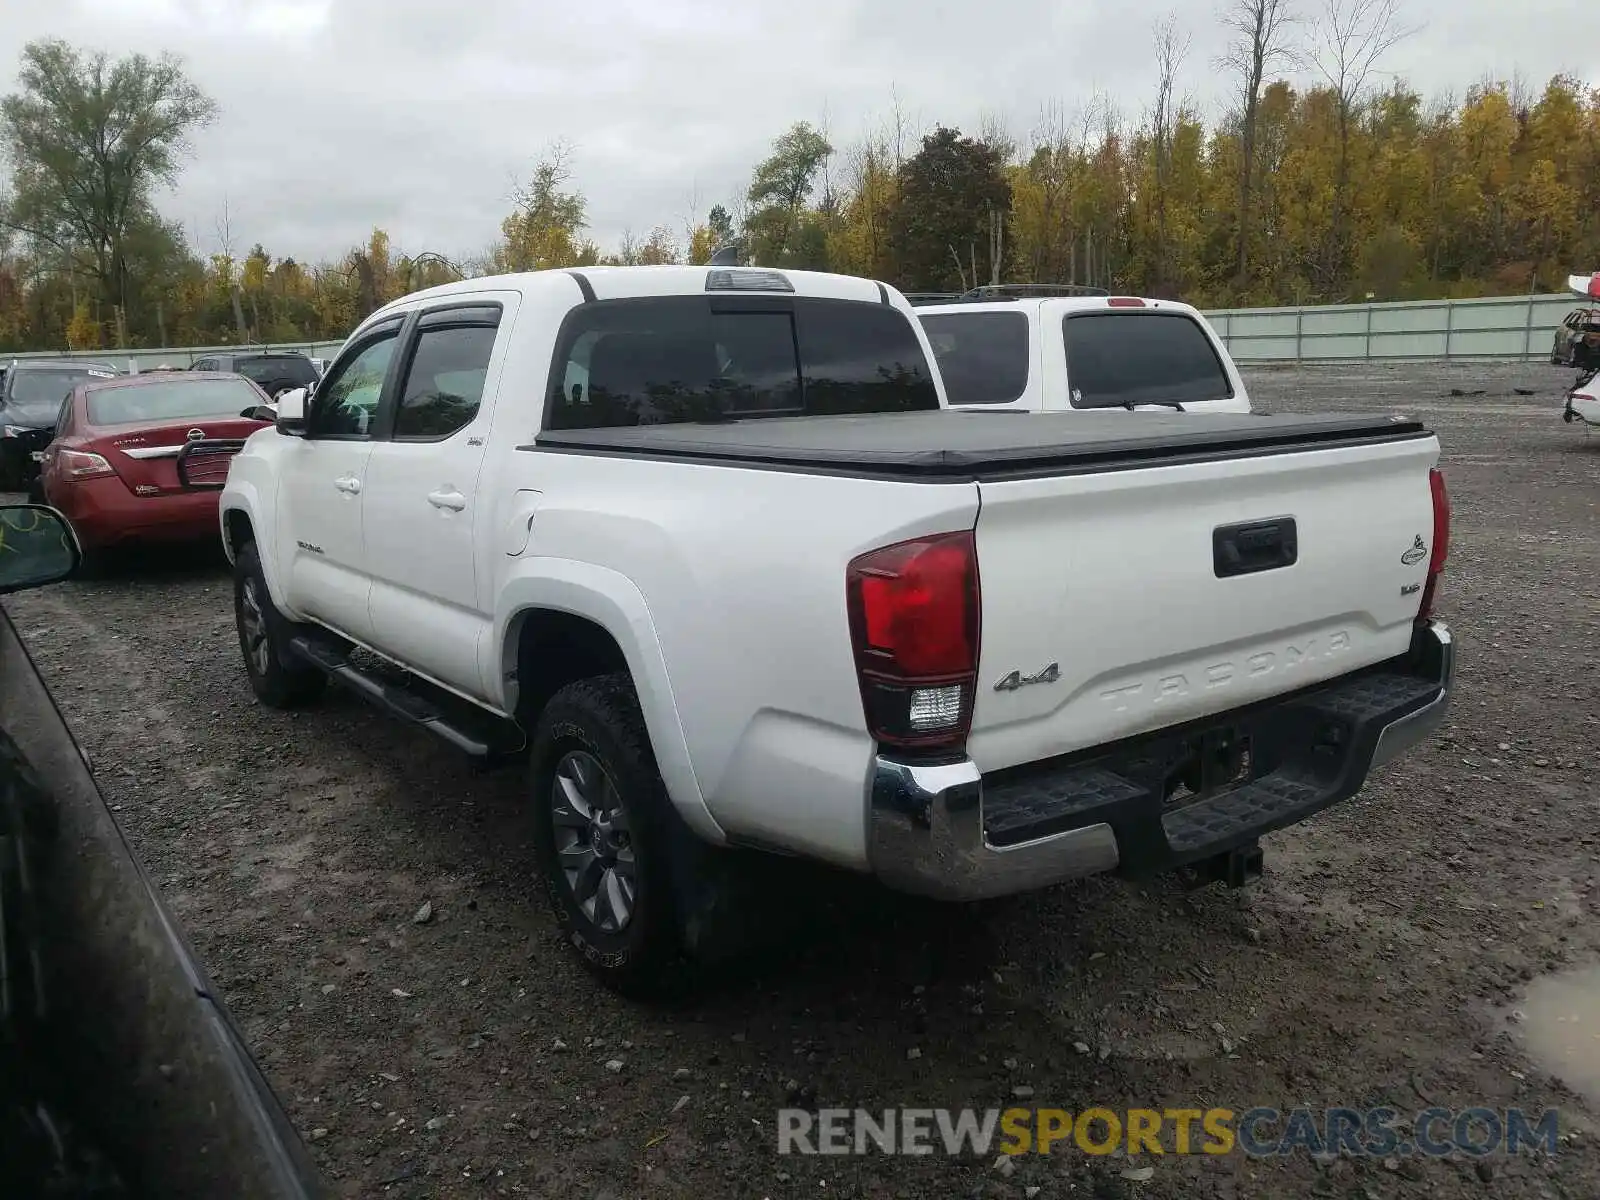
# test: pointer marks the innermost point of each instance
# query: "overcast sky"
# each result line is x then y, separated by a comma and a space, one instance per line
417, 115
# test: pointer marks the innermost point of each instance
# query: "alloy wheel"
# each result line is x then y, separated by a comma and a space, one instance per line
593, 842
253, 623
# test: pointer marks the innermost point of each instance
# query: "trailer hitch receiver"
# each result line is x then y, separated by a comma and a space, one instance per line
1239, 867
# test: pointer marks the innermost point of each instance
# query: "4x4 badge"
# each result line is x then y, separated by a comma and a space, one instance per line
1416, 554
1017, 680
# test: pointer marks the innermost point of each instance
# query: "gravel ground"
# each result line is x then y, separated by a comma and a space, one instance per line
467, 1055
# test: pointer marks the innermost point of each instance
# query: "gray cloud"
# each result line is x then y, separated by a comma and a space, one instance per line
417, 115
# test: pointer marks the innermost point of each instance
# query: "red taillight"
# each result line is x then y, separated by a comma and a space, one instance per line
914, 624
1441, 543
1125, 302
79, 464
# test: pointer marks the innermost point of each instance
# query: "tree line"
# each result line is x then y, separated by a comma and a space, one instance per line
1348, 188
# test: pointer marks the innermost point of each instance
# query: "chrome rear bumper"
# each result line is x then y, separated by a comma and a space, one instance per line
929, 833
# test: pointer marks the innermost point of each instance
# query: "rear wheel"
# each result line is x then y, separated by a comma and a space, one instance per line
276, 678
606, 835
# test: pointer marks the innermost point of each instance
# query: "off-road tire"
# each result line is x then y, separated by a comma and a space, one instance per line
600, 717
276, 678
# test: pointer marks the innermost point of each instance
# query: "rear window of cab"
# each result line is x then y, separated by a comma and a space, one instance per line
675, 359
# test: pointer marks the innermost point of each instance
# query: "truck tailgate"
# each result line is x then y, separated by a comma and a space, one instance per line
1118, 602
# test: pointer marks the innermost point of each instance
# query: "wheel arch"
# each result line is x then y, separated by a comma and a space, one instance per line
574, 620
237, 529
241, 518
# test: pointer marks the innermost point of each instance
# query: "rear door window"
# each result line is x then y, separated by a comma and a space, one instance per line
694, 358
982, 356
1118, 359
444, 381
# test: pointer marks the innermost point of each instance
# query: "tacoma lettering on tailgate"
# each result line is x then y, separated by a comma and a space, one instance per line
1165, 688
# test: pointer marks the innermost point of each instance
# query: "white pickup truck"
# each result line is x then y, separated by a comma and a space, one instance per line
711, 544
1039, 351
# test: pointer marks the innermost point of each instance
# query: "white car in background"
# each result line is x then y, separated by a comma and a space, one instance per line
1583, 398
1065, 349
1583, 404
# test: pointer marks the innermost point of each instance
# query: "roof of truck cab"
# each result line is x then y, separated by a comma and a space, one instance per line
612, 283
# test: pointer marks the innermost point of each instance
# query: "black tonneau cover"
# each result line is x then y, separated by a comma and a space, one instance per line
952, 445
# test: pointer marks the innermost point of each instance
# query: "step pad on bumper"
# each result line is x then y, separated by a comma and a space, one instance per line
1305, 752
1221, 817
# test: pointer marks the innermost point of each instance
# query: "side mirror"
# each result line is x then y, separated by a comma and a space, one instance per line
291, 416
261, 412
37, 546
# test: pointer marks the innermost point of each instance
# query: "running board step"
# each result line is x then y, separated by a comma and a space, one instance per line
478, 738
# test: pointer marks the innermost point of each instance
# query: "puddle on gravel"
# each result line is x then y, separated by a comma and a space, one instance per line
1561, 1025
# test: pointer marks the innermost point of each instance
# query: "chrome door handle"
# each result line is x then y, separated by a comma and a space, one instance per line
348, 484
454, 501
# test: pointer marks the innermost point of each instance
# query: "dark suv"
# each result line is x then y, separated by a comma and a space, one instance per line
30, 402
273, 371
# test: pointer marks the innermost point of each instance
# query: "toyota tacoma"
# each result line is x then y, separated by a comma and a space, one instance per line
711, 547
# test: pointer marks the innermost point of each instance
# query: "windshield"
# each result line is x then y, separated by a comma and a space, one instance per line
687, 358
982, 356
171, 398
37, 394
1142, 357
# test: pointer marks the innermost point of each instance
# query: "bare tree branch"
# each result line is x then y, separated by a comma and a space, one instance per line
1171, 48
1352, 36
1260, 43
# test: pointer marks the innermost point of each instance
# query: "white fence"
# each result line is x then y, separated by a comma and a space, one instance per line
1503, 327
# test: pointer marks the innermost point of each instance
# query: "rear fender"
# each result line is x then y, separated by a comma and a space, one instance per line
611, 601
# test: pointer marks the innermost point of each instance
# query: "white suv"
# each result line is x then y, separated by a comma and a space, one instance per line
1047, 352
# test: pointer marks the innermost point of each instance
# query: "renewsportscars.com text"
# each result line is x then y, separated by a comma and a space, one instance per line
1258, 1132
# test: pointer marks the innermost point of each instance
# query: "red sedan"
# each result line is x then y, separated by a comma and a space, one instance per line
112, 468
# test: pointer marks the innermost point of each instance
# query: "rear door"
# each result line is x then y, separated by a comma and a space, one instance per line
65, 424
423, 510
1117, 581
